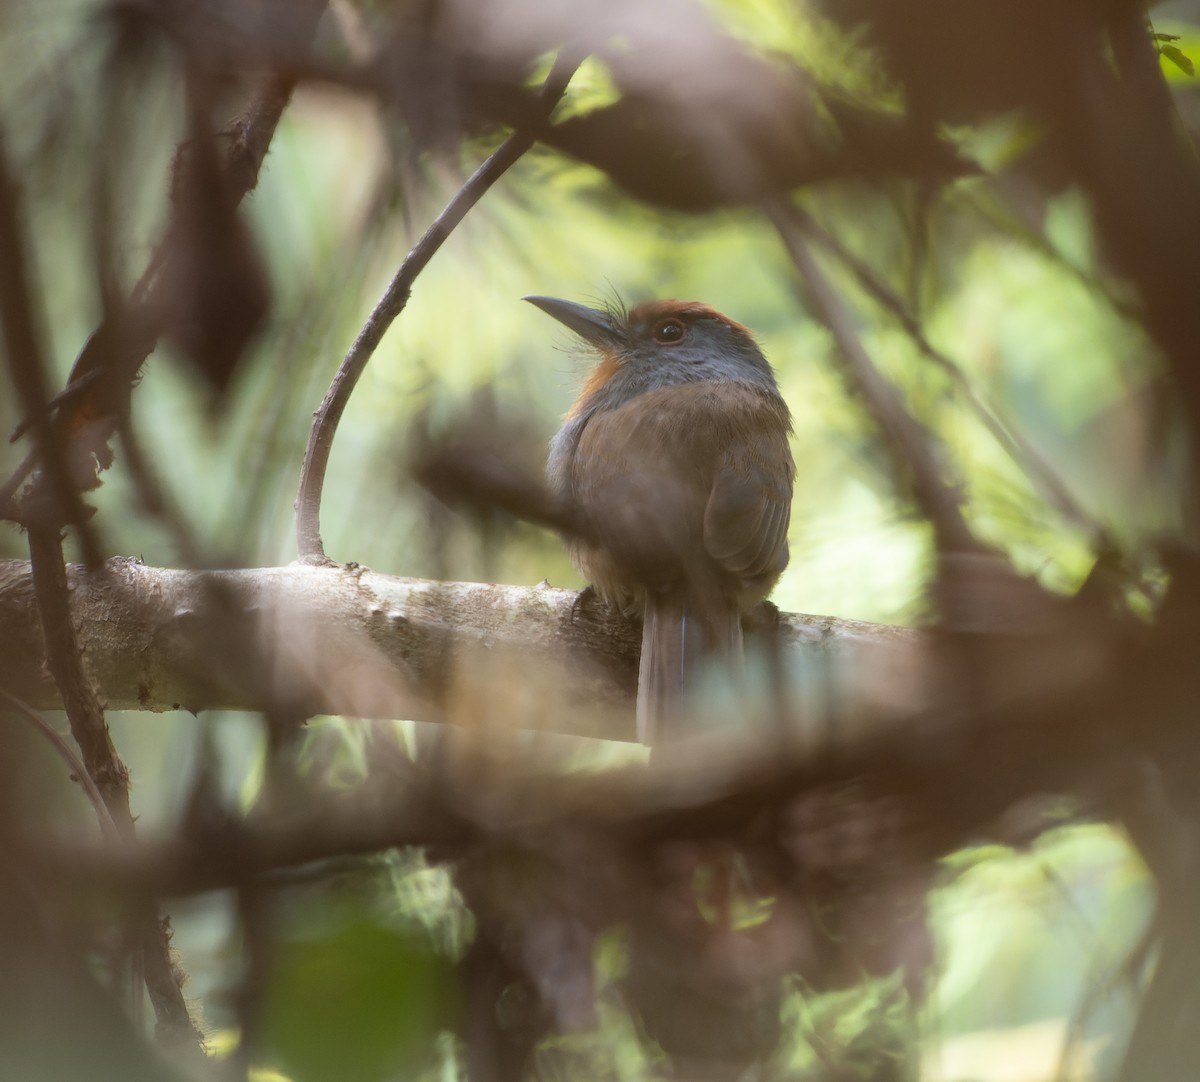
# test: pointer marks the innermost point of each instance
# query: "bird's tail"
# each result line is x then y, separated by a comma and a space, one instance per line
680, 637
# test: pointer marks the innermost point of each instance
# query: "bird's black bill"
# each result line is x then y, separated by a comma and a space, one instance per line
591, 324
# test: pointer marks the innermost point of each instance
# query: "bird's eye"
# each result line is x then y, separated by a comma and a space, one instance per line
669, 331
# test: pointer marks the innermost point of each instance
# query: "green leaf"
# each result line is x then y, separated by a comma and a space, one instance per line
1179, 58
363, 1002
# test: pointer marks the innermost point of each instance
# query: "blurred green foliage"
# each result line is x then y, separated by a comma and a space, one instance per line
359, 1001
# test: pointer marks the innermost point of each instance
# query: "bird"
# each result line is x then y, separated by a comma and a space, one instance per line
676, 462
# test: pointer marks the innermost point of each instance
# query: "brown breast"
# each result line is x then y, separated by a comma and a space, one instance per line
684, 485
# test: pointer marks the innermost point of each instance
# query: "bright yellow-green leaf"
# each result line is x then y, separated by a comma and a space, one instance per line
1178, 46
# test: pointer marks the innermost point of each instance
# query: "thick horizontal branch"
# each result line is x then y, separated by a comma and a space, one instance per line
345, 640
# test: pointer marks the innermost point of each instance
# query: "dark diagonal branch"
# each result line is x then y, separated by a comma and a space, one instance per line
246, 142
1019, 449
27, 368
391, 304
916, 454
96, 395
94, 405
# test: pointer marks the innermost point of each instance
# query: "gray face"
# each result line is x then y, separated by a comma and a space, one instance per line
659, 344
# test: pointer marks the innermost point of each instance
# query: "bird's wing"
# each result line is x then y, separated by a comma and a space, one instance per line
749, 507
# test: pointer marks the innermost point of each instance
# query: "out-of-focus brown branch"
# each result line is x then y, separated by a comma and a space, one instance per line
392, 303
944, 785
95, 401
81, 425
352, 824
594, 849
703, 120
1139, 166
1090, 76
466, 467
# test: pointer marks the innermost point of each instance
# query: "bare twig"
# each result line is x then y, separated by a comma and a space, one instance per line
391, 304
65, 752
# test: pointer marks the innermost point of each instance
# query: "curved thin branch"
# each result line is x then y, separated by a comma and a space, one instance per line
65, 752
391, 304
